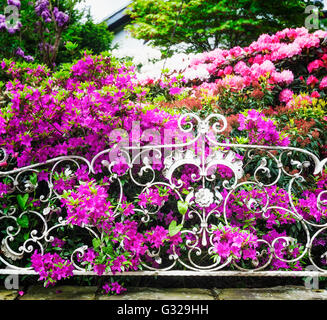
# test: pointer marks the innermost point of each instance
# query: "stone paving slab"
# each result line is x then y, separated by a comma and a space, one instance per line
275, 293
60, 293
162, 294
38, 292
8, 294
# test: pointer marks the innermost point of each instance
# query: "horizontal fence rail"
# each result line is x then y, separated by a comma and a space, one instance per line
205, 178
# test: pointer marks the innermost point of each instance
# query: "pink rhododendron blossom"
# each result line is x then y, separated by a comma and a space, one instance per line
228, 70
312, 80
285, 76
241, 68
323, 83
314, 65
286, 95
315, 94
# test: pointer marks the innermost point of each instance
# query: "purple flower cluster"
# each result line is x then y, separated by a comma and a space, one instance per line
157, 236
4, 26
42, 10
61, 17
234, 242
240, 210
123, 234
88, 205
152, 197
261, 130
113, 288
47, 47
15, 3
3, 189
280, 251
308, 204
21, 53
47, 130
134, 240
51, 267
120, 166
58, 243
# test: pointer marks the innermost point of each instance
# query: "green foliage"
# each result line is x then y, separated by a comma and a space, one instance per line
36, 36
22, 201
182, 207
23, 221
174, 228
86, 36
206, 24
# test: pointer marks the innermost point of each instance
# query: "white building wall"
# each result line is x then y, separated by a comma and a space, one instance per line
126, 41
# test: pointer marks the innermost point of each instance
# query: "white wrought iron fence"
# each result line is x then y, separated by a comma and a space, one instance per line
218, 171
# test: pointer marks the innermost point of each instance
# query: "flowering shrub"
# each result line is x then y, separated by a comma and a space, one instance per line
281, 75
46, 116
88, 205
49, 31
90, 109
51, 267
46, 17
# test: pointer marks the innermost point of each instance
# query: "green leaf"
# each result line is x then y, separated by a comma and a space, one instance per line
33, 179
174, 228
71, 46
23, 221
182, 207
96, 243
22, 201
108, 250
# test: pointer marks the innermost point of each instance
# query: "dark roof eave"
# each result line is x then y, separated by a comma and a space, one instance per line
119, 14
118, 24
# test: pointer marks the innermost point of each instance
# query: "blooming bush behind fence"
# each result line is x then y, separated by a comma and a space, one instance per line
100, 175
198, 209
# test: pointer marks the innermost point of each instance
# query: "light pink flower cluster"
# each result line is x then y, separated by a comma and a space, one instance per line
264, 60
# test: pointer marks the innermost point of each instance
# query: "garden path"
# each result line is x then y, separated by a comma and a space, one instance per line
143, 293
